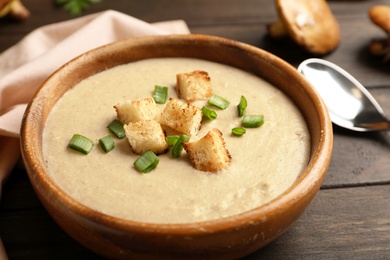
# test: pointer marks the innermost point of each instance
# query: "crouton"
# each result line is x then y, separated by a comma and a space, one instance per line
137, 110
146, 135
209, 153
193, 86
182, 117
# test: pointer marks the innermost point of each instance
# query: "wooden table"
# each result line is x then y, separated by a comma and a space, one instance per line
350, 216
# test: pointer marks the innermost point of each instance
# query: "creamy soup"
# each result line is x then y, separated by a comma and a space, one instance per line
265, 161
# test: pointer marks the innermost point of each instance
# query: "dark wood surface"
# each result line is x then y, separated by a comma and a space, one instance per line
350, 216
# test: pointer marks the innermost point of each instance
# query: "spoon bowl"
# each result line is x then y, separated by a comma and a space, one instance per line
349, 103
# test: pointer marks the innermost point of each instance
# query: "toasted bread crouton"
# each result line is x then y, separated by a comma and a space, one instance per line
182, 117
137, 110
209, 153
193, 86
146, 135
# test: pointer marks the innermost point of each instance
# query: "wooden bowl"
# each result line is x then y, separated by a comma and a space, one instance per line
230, 237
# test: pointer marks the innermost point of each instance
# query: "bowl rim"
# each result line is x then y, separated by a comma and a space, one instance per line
310, 178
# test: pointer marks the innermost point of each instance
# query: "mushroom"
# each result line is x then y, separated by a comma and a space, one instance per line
380, 15
310, 23
14, 9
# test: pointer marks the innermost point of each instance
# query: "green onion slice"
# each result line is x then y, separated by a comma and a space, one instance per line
80, 143
242, 106
238, 131
252, 121
160, 94
107, 143
178, 146
172, 139
218, 102
146, 162
116, 128
209, 113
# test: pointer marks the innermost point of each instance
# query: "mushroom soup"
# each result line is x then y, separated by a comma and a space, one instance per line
265, 161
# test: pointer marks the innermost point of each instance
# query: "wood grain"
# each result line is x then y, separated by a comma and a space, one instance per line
341, 223
350, 216
349, 223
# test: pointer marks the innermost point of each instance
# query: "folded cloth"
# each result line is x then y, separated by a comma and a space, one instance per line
25, 66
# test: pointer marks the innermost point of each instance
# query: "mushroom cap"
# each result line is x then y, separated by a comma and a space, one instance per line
380, 15
311, 24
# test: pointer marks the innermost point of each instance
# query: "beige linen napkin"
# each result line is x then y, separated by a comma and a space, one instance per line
24, 66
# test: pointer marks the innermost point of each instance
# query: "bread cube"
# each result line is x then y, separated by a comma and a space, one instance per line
146, 135
193, 86
182, 117
209, 153
137, 110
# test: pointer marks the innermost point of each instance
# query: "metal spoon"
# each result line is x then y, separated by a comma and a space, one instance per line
350, 105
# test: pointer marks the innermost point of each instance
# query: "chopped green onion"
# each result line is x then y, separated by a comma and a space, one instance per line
218, 101
160, 94
116, 128
178, 146
80, 143
242, 106
107, 143
238, 131
146, 162
209, 113
252, 121
172, 139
